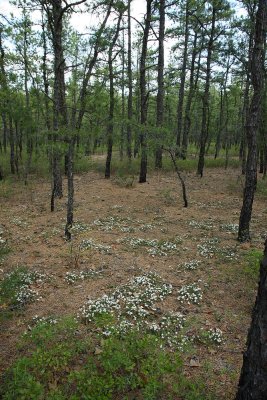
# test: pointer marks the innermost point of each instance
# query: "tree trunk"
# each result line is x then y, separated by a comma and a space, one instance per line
144, 95
70, 157
12, 146
3, 84
45, 73
122, 135
206, 97
111, 99
160, 94
252, 125
187, 117
253, 378
130, 86
182, 81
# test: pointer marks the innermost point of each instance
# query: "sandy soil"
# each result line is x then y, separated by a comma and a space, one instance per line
150, 211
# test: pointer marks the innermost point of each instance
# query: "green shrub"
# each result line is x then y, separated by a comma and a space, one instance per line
60, 363
252, 266
262, 187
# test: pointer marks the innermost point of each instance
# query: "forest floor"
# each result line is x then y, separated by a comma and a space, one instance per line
124, 232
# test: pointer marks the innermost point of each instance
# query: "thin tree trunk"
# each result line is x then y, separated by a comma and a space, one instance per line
182, 81
111, 100
12, 146
3, 84
144, 95
160, 94
45, 73
70, 203
206, 97
130, 85
187, 117
122, 136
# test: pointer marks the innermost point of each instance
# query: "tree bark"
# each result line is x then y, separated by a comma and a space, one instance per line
253, 378
110, 127
187, 117
12, 146
45, 73
252, 125
70, 203
130, 85
160, 94
206, 97
144, 95
182, 81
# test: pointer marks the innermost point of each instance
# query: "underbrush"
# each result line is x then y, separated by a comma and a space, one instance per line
62, 360
17, 290
252, 264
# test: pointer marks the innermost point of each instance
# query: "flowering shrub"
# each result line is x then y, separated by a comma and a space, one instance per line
72, 277
155, 247
190, 294
16, 290
89, 244
190, 265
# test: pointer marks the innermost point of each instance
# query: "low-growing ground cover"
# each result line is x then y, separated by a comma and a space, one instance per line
142, 274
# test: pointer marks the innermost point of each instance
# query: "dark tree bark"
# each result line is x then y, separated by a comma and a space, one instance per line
223, 117
144, 94
122, 136
257, 78
182, 81
206, 96
45, 73
3, 84
110, 127
55, 11
12, 146
130, 85
70, 203
160, 79
55, 16
253, 378
187, 117
172, 155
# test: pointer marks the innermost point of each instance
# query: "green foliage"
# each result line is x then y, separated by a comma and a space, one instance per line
82, 164
6, 189
253, 259
62, 364
262, 187
4, 250
10, 285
